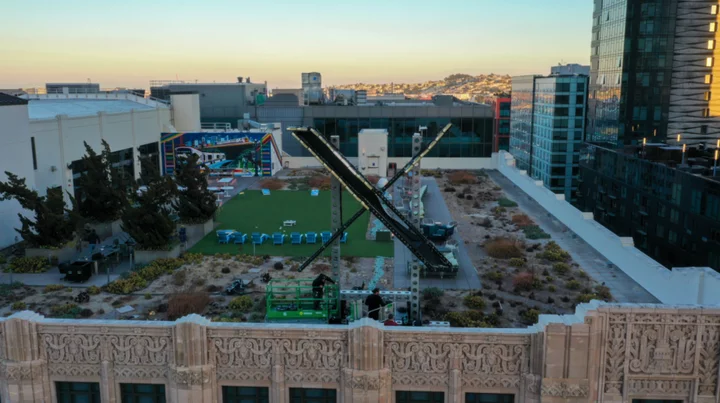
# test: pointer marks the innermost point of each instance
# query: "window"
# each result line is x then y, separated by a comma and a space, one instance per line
77, 392
708, 78
32, 146
674, 216
419, 397
240, 394
672, 237
489, 398
304, 395
709, 62
713, 26
142, 393
714, 9
660, 231
708, 95
711, 44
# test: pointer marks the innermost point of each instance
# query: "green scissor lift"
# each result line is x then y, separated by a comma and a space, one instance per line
292, 301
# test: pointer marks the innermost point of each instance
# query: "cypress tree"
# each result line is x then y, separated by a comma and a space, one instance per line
195, 203
53, 224
147, 218
101, 186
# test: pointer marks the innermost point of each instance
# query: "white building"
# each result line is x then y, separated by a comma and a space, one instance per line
16, 157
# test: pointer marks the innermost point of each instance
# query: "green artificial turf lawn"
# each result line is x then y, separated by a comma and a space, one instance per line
252, 212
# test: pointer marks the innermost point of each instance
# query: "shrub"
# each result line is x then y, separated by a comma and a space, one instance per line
242, 303
505, 202
179, 277
148, 296
561, 268
278, 266
199, 281
603, 292
19, 306
552, 288
272, 184
517, 262
585, 298
550, 300
139, 279
257, 317
320, 268
321, 182
495, 276
554, 253
524, 281
549, 279
573, 285
466, 319
183, 304
462, 178
213, 288
100, 312
432, 293
583, 275
86, 313
52, 288
522, 220
474, 302
530, 316
93, 290
534, 232
67, 311
36, 264
503, 248
225, 270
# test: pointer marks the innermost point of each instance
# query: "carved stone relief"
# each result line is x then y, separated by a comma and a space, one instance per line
615, 354
664, 387
563, 389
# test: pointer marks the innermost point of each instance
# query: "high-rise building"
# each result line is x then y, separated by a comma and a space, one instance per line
501, 126
547, 122
652, 71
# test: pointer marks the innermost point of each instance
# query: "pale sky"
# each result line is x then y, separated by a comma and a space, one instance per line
127, 43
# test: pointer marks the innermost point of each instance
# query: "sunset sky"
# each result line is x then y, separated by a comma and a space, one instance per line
127, 43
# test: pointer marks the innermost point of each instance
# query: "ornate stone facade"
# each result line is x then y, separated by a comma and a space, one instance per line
613, 353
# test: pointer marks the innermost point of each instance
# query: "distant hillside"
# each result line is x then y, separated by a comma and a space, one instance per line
463, 86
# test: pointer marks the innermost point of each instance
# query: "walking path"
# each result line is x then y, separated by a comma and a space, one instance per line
623, 288
435, 208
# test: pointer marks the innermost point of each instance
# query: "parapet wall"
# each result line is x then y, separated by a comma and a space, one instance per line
692, 285
605, 352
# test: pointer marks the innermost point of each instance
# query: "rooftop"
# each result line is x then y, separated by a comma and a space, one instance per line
6, 100
78, 105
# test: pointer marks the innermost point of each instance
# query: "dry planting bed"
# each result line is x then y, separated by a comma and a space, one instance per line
194, 288
297, 179
522, 271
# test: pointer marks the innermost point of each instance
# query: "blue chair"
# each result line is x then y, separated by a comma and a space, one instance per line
311, 237
258, 238
223, 236
325, 235
278, 238
239, 238
296, 238
344, 238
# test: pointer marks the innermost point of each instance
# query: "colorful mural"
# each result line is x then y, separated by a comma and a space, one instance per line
238, 153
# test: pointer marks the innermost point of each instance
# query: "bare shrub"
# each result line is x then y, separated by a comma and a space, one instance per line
183, 304
522, 220
320, 268
272, 184
503, 248
462, 178
319, 182
524, 281
179, 277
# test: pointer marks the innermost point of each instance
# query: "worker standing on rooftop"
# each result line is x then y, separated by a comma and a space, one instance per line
374, 303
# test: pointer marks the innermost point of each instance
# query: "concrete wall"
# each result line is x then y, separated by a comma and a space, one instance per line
427, 163
59, 141
15, 157
676, 286
186, 112
603, 353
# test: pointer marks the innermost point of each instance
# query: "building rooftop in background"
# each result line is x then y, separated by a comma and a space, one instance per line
77, 105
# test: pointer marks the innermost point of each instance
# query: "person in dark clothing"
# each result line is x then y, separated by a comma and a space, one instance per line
318, 286
374, 303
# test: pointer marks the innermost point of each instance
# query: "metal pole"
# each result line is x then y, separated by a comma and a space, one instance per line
335, 221
414, 216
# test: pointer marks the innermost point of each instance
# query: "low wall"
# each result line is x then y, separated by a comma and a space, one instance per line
427, 163
678, 286
602, 353
147, 256
196, 232
63, 254
106, 229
